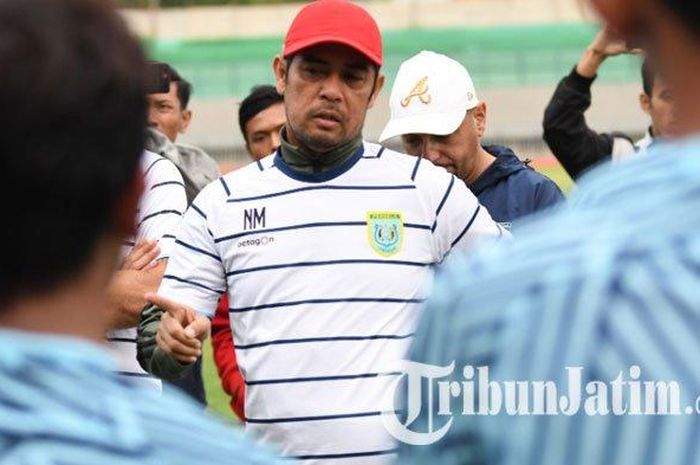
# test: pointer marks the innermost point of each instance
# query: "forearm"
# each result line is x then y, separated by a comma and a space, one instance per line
573, 143
166, 366
590, 62
227, 366
225, 361
149, 355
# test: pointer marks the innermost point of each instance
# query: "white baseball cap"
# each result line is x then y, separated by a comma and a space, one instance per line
431, 95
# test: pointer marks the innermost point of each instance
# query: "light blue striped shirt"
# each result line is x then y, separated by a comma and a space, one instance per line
61, 403
610, 281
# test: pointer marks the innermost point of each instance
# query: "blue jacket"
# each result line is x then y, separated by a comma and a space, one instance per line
510, 190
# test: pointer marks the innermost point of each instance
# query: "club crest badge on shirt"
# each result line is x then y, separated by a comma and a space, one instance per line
385, 232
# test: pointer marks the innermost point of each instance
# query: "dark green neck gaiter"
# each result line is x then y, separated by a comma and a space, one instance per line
307, 162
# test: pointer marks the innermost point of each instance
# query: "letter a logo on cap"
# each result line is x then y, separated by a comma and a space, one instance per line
420, 90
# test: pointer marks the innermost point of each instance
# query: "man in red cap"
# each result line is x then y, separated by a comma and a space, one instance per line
329, 75
325, 249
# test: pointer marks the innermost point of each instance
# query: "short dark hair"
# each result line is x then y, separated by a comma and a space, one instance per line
687, 11
648, 76
259, 99
72, 134
184, 88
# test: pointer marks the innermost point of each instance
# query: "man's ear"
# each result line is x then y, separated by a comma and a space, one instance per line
279, 66
378, 86
645, 103
185, 119
127, 207
479, 113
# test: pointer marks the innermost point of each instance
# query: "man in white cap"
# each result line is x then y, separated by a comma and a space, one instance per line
435, 110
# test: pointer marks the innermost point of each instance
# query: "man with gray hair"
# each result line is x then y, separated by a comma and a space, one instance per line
435, 110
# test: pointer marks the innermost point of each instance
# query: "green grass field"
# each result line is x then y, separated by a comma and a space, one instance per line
551, 168
219, 401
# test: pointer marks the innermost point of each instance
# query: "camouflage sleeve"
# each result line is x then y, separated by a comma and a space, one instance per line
150, 356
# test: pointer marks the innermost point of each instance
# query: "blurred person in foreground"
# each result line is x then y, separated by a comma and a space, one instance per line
601, 301
73, 142
578, 147
324, 248
435, 110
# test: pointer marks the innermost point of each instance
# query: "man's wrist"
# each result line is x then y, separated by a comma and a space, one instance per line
165, 366
590, 62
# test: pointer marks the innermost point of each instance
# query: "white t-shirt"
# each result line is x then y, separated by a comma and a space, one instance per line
160, 211
624, 149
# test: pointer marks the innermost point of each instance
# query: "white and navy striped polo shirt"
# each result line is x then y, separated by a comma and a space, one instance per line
326, 274
160, 211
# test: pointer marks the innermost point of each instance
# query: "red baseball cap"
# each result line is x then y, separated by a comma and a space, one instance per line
335, 21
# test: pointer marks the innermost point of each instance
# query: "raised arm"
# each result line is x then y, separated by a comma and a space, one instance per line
574, 144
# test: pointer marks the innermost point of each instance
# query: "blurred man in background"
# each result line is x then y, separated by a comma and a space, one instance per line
261, 117
73, 143
159, 213
574, 144
145, 253
435, 110
168, 117
600, 299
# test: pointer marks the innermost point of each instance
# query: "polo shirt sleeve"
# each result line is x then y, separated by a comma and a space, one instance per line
162, 205
459, 221
195, 273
